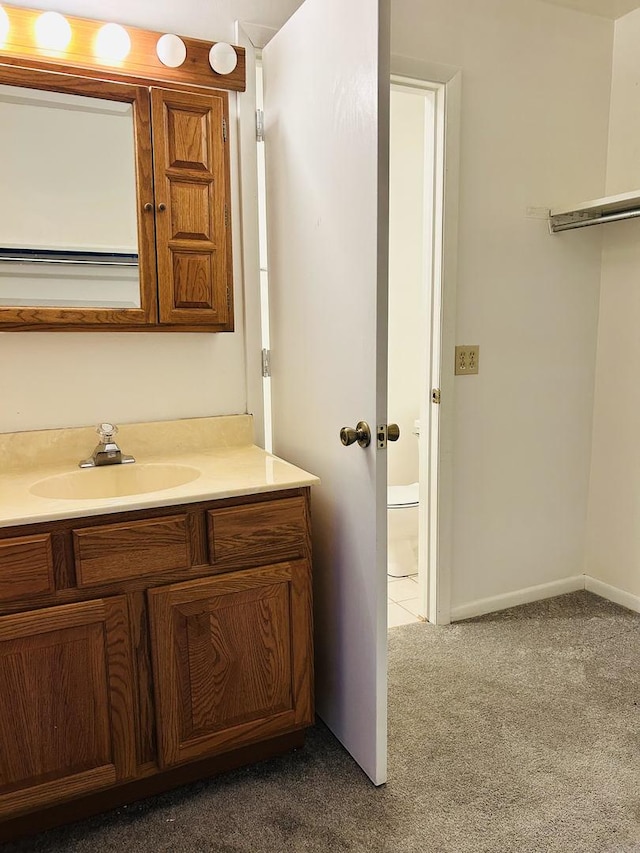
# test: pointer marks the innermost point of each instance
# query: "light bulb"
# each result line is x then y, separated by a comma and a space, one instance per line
171, 50
112, 43
223, 58
4, 26
53, 31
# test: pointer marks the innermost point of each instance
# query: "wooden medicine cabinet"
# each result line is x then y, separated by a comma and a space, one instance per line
116, 200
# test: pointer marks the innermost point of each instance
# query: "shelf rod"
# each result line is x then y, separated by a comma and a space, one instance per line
597, 220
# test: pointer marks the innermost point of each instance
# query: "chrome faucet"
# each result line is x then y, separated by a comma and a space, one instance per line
107, 452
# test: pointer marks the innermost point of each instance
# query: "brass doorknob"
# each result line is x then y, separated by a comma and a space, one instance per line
162, 206
361, 434
148, 207
393, 432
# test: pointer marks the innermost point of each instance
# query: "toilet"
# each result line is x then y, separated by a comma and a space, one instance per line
402, 521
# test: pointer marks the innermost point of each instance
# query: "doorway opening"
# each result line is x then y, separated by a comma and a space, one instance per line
416, 171
416, 260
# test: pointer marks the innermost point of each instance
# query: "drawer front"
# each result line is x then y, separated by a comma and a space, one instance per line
117, 552
26, 567
257, 534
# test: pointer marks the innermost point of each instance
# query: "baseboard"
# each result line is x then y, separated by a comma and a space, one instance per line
546, 590
520, 596
612, 593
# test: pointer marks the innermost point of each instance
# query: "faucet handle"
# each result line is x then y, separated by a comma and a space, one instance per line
106, 432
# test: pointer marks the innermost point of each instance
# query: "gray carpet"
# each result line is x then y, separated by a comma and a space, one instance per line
518, 731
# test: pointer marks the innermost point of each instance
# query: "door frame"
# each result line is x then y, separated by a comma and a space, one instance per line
436, 440
436, 474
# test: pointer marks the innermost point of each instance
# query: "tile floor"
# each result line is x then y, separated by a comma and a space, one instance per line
403, 601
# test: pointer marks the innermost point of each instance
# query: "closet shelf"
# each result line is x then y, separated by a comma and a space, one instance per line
612, 208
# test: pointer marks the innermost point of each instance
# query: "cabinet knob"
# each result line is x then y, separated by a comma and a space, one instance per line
162, 206
148, 207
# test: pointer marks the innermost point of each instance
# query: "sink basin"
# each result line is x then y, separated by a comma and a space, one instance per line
114, 481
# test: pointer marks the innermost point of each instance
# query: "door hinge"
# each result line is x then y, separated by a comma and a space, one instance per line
266, 363
259, 125
224, 129
226, 215
435, 395
228, 298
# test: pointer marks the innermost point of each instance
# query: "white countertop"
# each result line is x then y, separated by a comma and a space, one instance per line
227, 464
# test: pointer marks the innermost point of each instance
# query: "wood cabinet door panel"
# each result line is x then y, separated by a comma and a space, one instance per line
192, 183
66, 707
189, 133
117, 552
193, 279
26, 567
232, 659
191, 210
259, 533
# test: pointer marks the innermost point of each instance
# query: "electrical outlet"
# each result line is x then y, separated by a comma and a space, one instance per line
467, 358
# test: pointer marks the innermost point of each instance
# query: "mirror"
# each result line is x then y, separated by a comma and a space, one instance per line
68, 221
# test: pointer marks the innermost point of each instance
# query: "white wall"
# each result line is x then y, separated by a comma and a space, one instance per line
535, 103
407, 300
613, 534
64, 379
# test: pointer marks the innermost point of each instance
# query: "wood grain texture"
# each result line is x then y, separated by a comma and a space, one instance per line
228, 661
26, 567
62, 532
143, 680
140, 66
254, 535
229, 653
121, 551
66, 709
192, 185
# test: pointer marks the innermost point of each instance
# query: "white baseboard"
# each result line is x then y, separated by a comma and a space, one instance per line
546, 590
612, 593
520, 596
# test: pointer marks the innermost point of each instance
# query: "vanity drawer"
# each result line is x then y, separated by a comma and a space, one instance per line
117, 552
259, 533
26, 567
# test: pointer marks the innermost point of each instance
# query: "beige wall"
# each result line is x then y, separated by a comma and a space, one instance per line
613, 534
535, 104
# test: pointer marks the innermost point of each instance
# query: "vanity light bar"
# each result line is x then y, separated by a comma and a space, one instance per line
57, 256
51, 41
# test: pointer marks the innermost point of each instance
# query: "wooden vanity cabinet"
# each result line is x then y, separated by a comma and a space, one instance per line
136, 662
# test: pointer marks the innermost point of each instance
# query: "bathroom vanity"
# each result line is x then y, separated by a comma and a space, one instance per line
148, 638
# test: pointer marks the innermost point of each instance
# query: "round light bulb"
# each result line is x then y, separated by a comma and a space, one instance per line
171, 50
4, 26
53, 31
223, 58
112, 43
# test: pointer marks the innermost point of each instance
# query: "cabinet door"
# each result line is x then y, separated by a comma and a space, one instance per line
193, 233
233, 659
66, 703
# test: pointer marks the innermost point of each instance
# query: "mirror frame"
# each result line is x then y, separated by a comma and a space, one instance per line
30, 317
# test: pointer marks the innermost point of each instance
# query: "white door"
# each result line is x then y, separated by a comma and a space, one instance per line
326, 77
